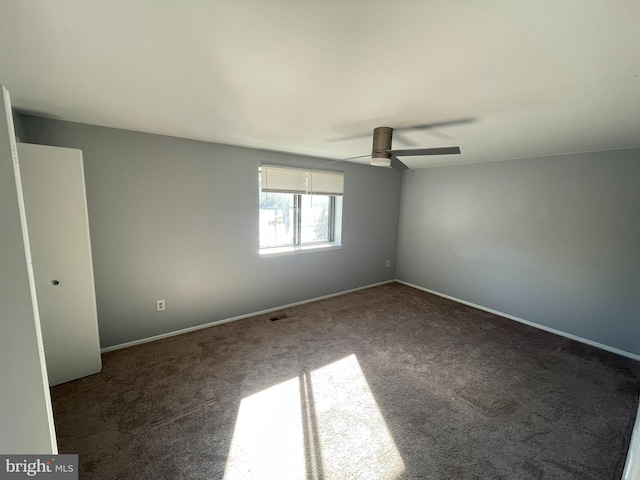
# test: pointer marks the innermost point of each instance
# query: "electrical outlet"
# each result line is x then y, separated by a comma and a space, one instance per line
160, 305
388, 263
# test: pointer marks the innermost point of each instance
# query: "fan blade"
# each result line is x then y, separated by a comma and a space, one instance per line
396, 164
447, 123
346, 159
425, 151
424, 126
404, 139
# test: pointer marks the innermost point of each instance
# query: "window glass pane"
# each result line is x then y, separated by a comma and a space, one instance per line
314, 218
276, 219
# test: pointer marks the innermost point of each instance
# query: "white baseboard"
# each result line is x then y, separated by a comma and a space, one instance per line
527, 322
239, 317
632, 466
480, 307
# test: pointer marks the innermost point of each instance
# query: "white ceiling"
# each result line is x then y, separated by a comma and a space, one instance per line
537, 77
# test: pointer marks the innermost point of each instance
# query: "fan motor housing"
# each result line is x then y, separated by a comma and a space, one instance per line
382, 143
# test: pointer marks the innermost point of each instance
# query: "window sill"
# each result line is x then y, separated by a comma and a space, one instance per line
277, 252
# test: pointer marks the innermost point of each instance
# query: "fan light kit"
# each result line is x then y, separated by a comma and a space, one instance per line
380, 161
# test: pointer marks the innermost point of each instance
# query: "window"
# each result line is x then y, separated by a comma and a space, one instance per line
299, 208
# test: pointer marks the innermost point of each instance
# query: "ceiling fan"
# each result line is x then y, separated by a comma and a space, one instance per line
383, 156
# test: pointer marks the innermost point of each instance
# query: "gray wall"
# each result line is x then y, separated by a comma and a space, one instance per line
26, 422
555, 240
178, 219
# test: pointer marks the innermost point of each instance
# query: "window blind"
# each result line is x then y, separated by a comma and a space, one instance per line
301, 181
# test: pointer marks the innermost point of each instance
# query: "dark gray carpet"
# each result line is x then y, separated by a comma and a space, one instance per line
384, 383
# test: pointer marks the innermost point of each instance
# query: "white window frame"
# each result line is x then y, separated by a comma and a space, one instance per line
329, 182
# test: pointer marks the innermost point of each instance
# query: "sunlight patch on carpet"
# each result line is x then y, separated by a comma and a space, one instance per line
321, 425
268, 438
354, 439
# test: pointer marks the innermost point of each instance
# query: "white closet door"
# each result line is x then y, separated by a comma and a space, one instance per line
58, 225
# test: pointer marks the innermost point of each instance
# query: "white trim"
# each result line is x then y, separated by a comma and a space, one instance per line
239, 317
632, 466
280, 251
528, 322
32, 283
